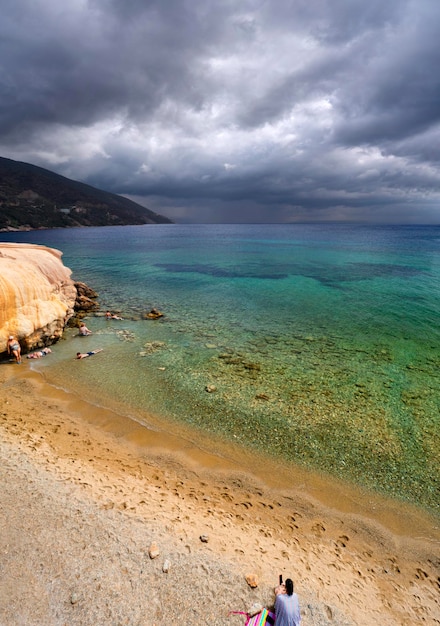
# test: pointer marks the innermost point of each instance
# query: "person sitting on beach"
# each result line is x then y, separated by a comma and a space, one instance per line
84, 355
39, 353
14, 348
112, 316
286, 605
83, 330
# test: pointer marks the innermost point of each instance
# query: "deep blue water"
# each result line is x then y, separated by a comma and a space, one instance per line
322, 341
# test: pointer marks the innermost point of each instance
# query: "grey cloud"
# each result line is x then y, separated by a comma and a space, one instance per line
398, 94
231, 111
67, 67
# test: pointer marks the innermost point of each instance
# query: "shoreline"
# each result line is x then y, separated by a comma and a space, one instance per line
207, 452
350, 564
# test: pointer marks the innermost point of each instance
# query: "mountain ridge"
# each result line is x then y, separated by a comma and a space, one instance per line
32, 197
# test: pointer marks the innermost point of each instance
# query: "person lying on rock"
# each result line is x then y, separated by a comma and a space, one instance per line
112, 316
39, 354
84, 355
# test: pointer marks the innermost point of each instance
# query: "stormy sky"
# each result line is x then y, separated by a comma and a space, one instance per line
231, 110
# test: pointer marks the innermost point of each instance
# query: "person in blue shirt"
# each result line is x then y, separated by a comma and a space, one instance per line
287, 605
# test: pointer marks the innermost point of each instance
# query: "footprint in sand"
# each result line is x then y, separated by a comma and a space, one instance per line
392, 565
247, 505
265, 505
342, 541
318, 529
227, 496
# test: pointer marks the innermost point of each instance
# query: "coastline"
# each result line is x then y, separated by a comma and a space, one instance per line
354, 396
86, 495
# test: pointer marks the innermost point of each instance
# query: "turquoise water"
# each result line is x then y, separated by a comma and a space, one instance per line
322, 341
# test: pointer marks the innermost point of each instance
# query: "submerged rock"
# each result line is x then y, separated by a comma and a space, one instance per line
152, 346
262, 396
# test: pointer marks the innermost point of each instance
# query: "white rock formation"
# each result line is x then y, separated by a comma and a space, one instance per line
37, 294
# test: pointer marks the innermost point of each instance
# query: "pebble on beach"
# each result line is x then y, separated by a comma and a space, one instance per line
153, 551
252, 580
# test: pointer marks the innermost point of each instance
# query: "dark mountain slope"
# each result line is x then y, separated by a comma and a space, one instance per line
33, 197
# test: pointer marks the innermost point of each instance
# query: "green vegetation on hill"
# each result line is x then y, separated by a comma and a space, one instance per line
33, 197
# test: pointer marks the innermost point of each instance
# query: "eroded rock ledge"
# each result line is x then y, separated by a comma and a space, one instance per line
37, 294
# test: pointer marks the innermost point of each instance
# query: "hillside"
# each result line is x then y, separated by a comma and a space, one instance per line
32, 197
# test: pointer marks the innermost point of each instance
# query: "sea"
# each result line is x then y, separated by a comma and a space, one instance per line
315, 344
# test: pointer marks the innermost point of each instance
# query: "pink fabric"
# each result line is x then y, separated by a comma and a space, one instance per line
261, 619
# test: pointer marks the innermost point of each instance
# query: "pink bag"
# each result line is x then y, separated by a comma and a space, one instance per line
260, 619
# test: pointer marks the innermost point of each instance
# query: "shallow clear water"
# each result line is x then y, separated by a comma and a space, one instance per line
322, 341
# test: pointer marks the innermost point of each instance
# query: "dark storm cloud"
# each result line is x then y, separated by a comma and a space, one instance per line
226, 111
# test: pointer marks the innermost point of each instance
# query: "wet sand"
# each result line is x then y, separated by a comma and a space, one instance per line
85, 493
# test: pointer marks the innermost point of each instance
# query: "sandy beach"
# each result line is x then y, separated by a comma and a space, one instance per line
88, 500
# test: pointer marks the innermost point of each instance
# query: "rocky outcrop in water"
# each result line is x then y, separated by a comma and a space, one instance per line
37, 294
85, 298
85, 303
